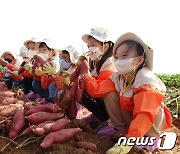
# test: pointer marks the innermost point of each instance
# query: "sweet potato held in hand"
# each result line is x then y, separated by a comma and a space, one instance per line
40, 117
59, 136
40, 59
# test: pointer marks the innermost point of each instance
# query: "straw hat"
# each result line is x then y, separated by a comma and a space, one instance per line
148, 51
100, 34
34, 40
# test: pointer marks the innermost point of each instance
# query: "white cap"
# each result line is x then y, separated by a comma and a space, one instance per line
31, 40
74, 55
48, 43
100, 34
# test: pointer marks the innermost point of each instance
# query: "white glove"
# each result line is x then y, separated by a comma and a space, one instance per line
119, 149
49, 69
39, 71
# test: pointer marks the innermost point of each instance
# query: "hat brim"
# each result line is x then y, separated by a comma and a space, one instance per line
134, 37
86, 36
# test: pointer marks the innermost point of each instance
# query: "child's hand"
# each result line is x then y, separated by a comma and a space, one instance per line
28, 67
39, 71
3, 62
15, 73
49, 69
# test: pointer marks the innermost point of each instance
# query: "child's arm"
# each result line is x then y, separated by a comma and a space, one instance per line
147, 101
98, 89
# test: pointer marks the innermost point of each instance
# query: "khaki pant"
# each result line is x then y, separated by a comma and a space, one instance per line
121, 118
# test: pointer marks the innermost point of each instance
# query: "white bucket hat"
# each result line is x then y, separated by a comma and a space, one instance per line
48, 43
74, 55
148, 51
31, 40
100, 34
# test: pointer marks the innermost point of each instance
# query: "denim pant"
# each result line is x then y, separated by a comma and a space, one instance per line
43, 93
52, 91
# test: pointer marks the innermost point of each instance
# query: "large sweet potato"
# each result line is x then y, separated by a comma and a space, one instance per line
40, 59
3, 86
46, 108
60, 124
60, 136
8, 101
4, 94
71, 111
40, 117
17, 124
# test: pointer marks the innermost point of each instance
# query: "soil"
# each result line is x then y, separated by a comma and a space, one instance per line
103, 143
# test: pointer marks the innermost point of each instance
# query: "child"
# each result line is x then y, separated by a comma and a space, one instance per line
9, 62
101, 66
42, 81
134, 95
67, 62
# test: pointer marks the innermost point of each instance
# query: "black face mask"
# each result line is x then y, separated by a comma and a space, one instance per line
8, 60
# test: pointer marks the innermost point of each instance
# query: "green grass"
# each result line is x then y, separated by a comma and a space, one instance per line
172, 99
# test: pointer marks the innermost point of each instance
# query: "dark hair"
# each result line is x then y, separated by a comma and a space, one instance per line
65, 52
105, 56
44, 45
133, 44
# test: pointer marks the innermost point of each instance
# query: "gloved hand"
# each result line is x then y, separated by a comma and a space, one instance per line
28, 67
15, 73
49, 69
1, 68
3, 62
119, 149
39, 71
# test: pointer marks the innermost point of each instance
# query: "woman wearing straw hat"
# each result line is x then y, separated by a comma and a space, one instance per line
134, 95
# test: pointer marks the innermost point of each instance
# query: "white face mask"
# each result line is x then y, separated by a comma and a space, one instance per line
32, 53
45, 55
94, 53
27, 60
124, 66
63, 64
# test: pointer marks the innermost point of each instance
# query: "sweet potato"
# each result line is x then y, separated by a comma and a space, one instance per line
78, 94
10, 110
17, 124
21, 70
27, 130
84, 69
71, 111
39, 129
87, 145
75, 74
60, 124
40, 117
65, 102
3, 86
4, 94
60, 136
74, 87
8, 101
40, 59
46, 108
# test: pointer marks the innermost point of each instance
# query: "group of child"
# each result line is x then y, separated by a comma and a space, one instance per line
119, 85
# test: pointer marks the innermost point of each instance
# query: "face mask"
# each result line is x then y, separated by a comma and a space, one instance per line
63, 64
45, 55
123, 66
8, 60
32, 53
27, 60
94, 53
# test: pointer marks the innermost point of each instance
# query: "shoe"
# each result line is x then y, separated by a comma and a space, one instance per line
32, 96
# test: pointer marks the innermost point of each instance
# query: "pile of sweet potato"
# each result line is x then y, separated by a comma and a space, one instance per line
19, 118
